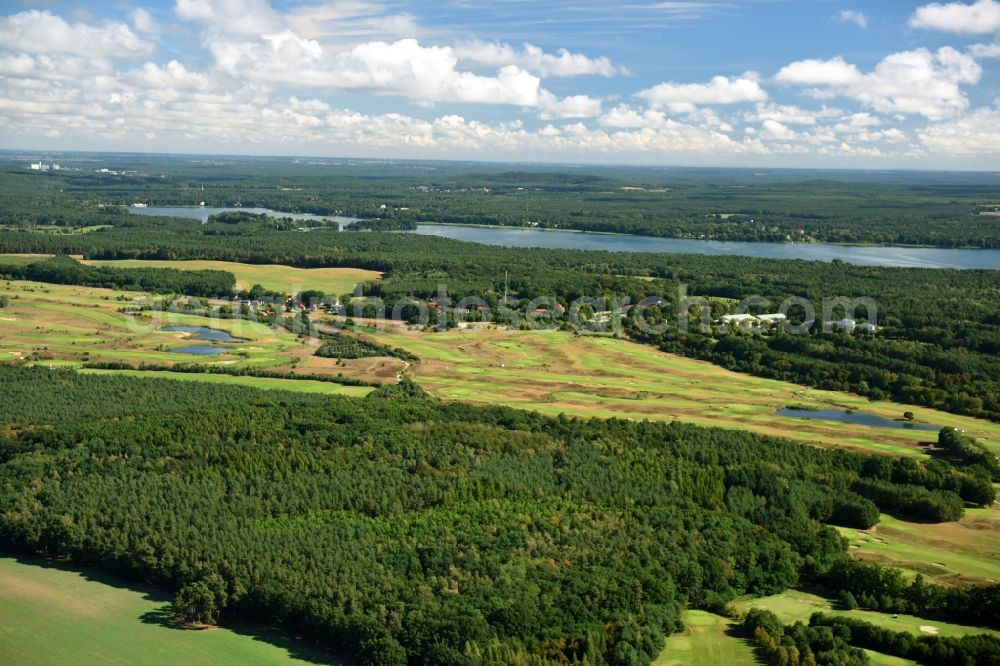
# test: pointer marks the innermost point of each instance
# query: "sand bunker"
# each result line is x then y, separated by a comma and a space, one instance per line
927, 629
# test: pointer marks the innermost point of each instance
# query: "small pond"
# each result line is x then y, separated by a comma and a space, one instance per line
203, 333
854, 417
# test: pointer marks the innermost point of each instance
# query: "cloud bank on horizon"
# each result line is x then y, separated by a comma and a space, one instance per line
740, 82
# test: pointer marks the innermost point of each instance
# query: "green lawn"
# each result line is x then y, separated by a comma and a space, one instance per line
21, 259
53, 615
966, 551
879, 659
705, 642
285, 279
795, 605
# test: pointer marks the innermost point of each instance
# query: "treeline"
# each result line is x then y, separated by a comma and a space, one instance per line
978, 650
881, 588
246, 223
829, 639
66, 270
916, 502
799, 644
967, 451
341, 345
383, 224
245, 371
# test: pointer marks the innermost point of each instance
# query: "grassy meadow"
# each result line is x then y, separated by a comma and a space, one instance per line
706, 641
68, 325
285, 279
795, 605
962, 552
558, 372
54, 615
711, 640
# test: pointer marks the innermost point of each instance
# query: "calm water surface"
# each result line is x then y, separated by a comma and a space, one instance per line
201, 213
865, 256
854, 417
922, 257
203, 333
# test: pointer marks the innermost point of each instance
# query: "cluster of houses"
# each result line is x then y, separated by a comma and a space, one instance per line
274, 306
763, 322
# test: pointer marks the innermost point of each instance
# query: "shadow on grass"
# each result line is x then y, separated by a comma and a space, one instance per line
738, 633
163, 614
164, 617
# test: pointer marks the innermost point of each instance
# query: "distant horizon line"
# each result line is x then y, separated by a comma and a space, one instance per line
568, 164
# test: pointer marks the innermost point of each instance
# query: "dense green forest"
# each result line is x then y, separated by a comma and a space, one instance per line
404, 530
938, 342
724, 204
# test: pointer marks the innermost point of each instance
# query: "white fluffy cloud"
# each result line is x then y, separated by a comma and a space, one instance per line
625, 117
909, 82
43, 32
405, 67
232, 17
853, 16
979, 18
790, 114
534, 59
985, 50
772, 129
833, 72
573, 106
271, 78
977, 133
143, 20
685, 97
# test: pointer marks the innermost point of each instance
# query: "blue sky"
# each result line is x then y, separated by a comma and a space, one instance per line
879, 84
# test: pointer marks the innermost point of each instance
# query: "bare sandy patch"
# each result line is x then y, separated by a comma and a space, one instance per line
928, 629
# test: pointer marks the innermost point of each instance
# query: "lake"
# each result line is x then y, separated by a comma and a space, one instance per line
854, 417
917, 257
201, 213
203, 333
